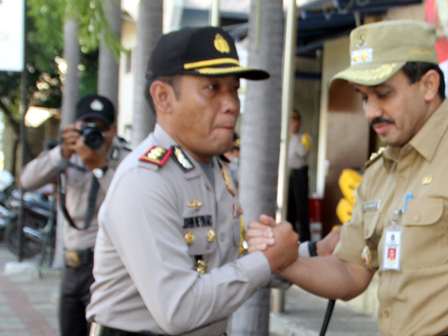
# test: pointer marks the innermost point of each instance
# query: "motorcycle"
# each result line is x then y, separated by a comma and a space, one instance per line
39, 224
6, 187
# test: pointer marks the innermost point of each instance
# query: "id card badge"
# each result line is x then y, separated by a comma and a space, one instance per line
392, 248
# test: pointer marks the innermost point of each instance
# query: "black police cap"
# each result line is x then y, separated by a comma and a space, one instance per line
204, 51
96, 106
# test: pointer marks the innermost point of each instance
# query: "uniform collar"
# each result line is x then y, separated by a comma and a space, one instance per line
426, 141
428, 138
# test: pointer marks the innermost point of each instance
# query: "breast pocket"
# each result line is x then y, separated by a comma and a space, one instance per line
425, 241
200, 241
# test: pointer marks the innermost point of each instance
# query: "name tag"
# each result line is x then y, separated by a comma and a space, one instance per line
371, 206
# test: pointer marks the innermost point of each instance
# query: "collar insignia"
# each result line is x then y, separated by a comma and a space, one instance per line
427, 179
195, 204
221, 44
228, 181
156, 155
182, 159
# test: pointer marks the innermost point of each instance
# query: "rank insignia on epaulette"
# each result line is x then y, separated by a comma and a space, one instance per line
374, 157
182, 159
156, 155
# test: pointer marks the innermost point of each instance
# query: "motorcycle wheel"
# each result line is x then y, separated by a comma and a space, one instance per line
30, 247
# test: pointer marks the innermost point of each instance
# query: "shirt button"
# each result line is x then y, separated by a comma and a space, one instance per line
417, 218
386, 314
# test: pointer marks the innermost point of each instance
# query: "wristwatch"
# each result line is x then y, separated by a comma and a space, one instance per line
99, 172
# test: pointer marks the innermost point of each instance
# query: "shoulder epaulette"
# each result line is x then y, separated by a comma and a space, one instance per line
181, 159
156, 155
374, 157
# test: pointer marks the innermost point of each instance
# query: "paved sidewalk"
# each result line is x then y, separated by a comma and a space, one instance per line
28, 304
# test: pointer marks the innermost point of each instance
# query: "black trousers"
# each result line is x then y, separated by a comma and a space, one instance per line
298, 202
75, 296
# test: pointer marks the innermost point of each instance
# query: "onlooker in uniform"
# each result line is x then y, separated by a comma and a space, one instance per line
84, 162
298, 152
166, 258
401, 201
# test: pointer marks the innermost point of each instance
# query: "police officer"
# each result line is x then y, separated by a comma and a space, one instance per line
298, 152
84, 162
400, 210
166, 258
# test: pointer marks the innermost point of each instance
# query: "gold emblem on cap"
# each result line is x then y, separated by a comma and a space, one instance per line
96, 105
201, 267
366, 258
221, 44
427, 179
355, 57
195, 204
365, 55
211, 235
189, 238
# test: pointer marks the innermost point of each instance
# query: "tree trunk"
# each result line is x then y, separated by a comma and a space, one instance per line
260, 144
69, 99
71, 83
108, 64
149, 28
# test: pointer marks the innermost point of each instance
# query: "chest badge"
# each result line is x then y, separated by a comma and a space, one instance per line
427, 179
189, 238
366, 258
211, 236
195, 204
228, 181
201, 267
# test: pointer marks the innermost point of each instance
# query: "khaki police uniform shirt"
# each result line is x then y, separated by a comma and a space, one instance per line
298, 152
45, 169
414, 300
145, 279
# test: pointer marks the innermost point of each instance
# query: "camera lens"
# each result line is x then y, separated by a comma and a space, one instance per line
93, 136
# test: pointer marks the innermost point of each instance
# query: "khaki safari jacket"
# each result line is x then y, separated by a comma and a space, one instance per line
144, 268
413, 301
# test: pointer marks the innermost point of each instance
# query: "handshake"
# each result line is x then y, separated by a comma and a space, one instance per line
279, 243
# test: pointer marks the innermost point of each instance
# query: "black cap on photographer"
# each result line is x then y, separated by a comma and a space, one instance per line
95, 106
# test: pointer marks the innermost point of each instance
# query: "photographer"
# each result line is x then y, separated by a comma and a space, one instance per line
84, 164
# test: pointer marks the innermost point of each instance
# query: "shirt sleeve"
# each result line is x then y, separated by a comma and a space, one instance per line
42, 170
352, 241
144, 229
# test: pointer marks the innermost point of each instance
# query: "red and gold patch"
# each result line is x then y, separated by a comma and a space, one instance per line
156, 155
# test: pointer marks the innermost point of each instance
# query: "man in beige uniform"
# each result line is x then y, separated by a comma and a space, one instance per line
166, 257
86, 164
401, 203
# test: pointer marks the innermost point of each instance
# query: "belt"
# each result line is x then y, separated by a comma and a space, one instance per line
78, 258
97, 329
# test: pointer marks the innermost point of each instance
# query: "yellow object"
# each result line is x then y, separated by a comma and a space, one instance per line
348, 182
307, 141
344, 210
242, 239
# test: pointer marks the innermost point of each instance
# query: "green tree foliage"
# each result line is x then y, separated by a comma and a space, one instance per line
45, 49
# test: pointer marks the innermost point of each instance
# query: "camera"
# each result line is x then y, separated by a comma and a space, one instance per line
93, 135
